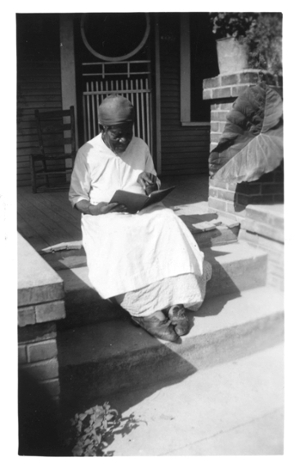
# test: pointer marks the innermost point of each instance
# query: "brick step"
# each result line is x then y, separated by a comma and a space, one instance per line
235, 267
99, 359
265, 220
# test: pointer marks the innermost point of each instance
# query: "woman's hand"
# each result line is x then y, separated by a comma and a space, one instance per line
100, 209
148, 182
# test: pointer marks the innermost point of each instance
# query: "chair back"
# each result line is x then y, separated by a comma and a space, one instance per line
56, 133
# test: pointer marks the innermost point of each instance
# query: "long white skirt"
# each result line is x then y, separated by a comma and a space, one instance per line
126, 253
187, 289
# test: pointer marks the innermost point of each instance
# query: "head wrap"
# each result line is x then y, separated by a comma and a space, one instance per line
115, 110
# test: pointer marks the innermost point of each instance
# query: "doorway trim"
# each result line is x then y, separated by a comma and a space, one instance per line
121, 57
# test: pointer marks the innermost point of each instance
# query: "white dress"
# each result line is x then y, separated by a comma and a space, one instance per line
147, 261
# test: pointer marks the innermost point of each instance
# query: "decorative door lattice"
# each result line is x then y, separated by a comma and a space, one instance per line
129, 79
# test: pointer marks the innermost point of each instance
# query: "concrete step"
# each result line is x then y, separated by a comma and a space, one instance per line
235, 408
235, 267
99, 359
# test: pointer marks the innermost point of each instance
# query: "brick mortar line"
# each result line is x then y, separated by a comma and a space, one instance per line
33, 305
38, 342
35, 344
40, 362
50, 381
42, 341
263, 236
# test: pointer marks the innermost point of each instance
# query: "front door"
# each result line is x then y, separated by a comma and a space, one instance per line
114, 57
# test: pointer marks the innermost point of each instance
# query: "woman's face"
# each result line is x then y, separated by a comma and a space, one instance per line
118, 137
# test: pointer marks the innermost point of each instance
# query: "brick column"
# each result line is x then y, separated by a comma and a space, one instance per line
37, 351
227, 198
263, 227
40, 306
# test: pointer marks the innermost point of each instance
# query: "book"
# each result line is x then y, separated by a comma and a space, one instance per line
136, 202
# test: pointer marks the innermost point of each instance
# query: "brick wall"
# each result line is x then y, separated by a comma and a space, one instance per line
37, 352
37, 346
227, 198
223, 90
253, 204
40, 305
231, 199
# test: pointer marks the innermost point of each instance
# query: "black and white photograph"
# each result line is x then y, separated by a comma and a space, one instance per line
149, 232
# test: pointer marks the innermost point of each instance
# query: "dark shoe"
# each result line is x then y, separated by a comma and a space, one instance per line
160, 328
179, 319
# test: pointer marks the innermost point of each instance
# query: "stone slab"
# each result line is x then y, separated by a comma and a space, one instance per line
37, 281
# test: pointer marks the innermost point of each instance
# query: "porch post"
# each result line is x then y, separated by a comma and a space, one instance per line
185, 68
67, 61
157, 97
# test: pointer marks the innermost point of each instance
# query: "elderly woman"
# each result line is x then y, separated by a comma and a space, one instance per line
149, 262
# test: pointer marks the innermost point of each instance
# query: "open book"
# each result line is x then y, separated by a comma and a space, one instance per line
136, 202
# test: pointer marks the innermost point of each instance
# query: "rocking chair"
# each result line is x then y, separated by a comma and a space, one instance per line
57, 148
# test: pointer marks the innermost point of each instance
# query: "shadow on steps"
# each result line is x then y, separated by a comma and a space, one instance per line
143, 361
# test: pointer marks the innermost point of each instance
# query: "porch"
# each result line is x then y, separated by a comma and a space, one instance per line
47, 218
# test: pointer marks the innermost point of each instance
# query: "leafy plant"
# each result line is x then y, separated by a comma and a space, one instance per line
232, 24
264, 41
89, 433
89, 430
260, 32
252, 141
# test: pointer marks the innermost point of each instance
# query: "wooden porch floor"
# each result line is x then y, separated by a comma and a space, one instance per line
47, 218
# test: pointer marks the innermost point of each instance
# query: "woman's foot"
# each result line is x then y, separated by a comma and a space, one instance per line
179, 319
157, 325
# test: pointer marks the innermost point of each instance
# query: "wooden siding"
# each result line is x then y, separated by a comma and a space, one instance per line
184, 149
38, 83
